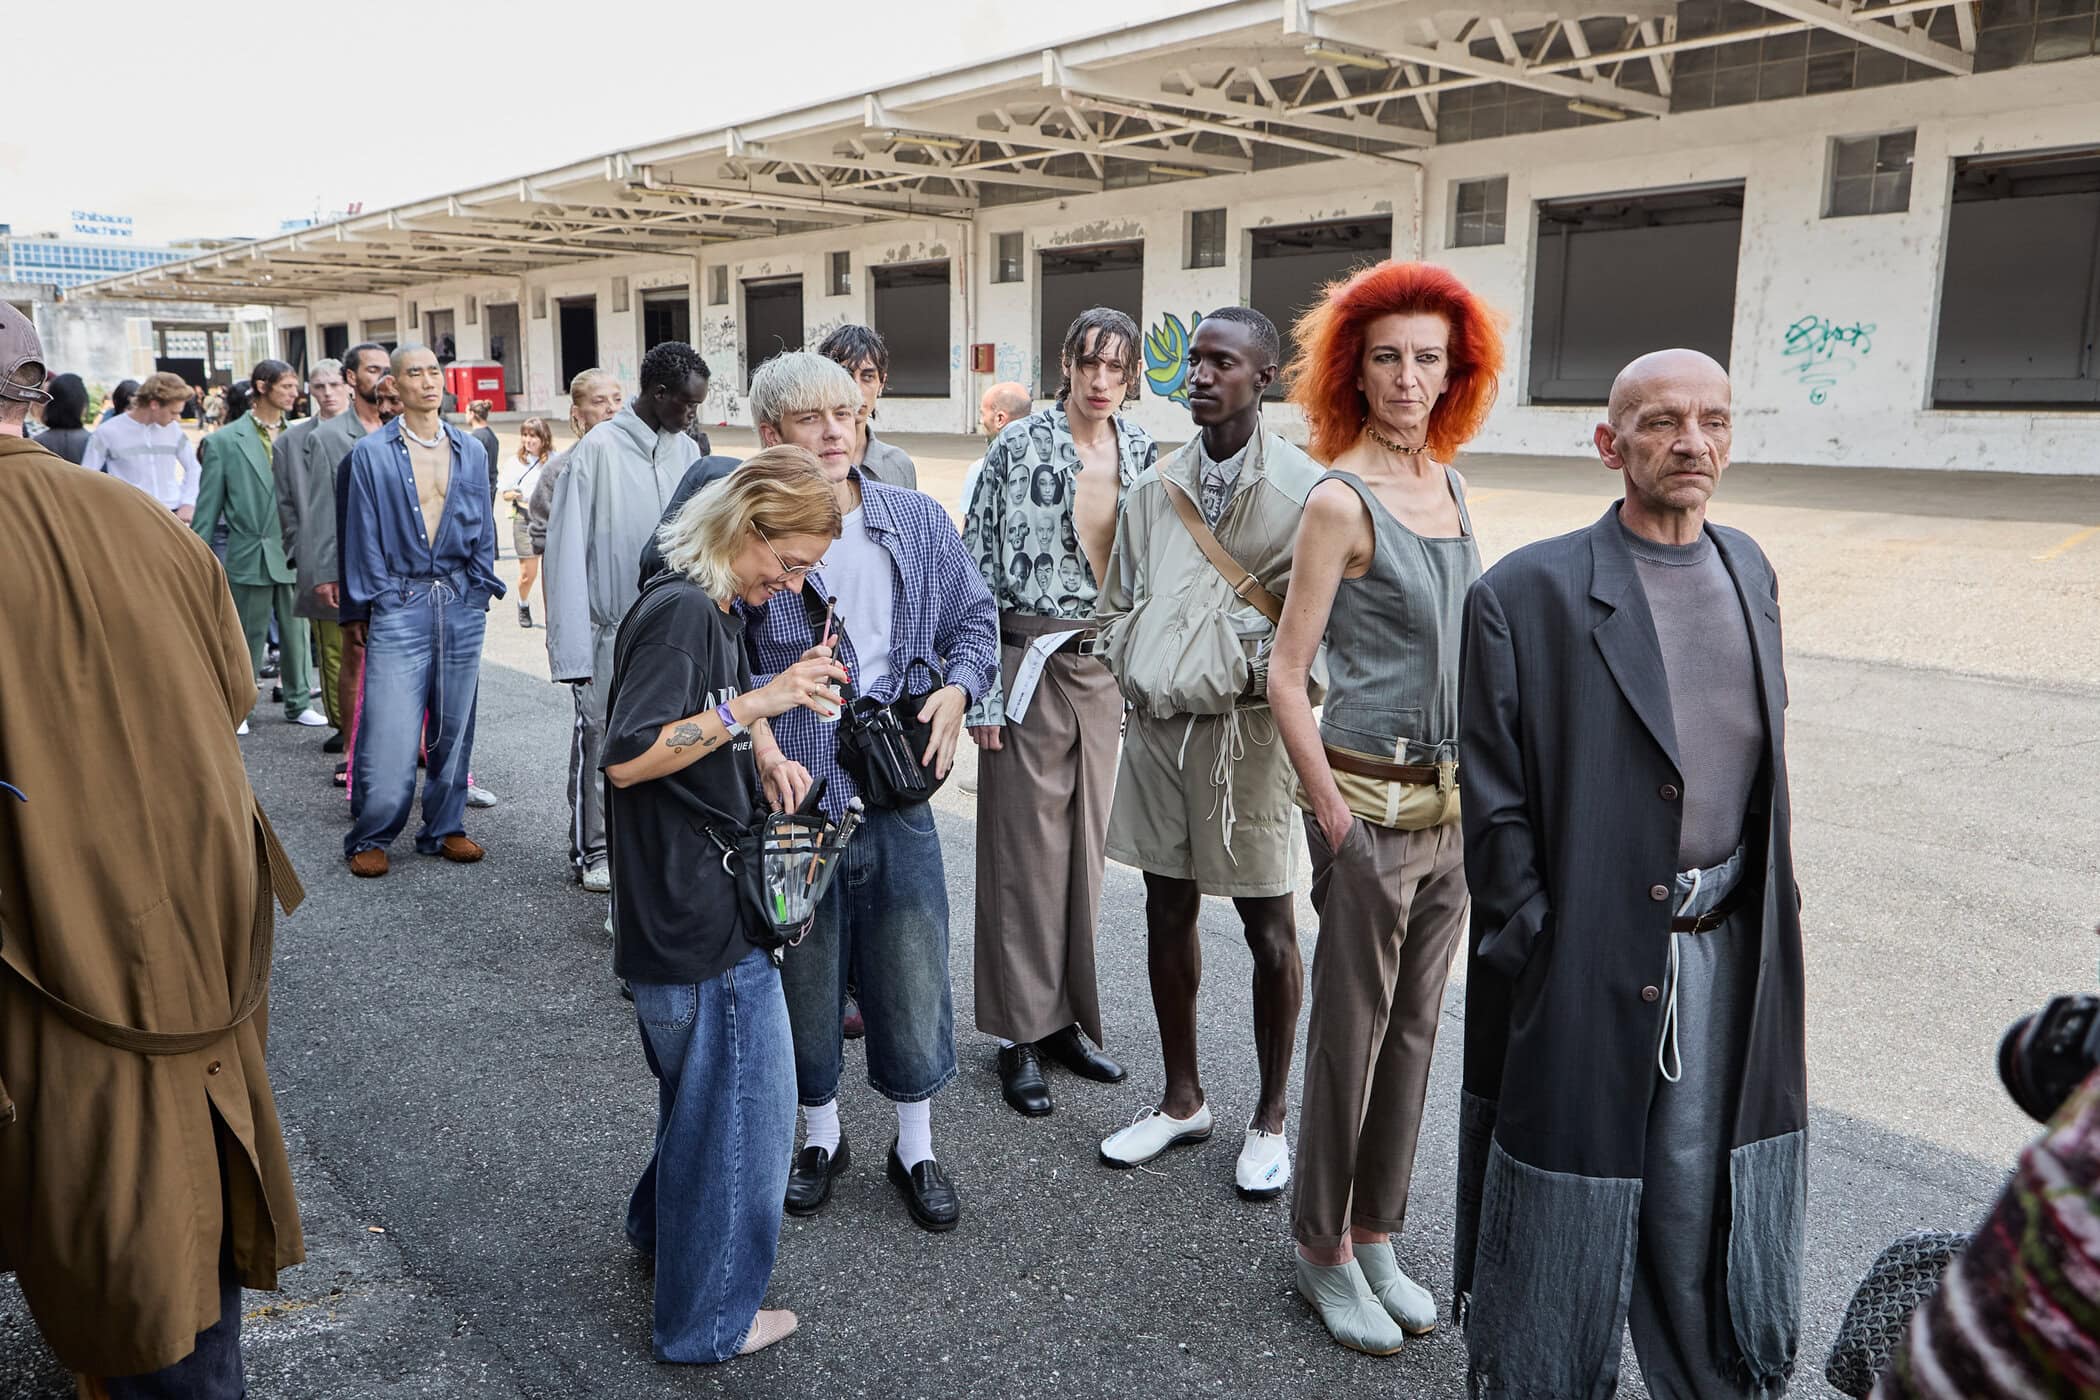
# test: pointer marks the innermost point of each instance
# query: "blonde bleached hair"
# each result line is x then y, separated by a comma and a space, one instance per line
777, 493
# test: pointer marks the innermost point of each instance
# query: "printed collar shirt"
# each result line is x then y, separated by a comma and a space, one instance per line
941, 614
1019, 525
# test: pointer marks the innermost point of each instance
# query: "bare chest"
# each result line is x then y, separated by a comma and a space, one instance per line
1094, 494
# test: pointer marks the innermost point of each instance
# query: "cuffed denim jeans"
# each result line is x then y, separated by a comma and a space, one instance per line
708, 1204
883, 926
423, 652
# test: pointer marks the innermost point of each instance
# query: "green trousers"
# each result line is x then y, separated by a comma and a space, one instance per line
328, 662
255, 602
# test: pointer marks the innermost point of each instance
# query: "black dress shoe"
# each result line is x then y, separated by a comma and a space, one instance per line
809, 1180
927, 1192
333, 743
1021, 1080
1069, 1048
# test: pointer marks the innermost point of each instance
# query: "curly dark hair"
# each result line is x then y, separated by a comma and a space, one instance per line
670, 363
849, 345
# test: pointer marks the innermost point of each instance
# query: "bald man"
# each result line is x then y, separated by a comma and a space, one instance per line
1632, 1143
1001, 404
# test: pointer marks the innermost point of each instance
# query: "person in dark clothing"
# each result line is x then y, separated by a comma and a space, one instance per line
119, 400
63, 432
705, 472
688, 747
479, 430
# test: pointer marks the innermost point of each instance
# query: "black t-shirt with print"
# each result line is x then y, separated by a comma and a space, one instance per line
677, 916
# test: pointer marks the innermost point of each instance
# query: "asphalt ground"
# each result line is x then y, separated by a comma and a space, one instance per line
467, 1105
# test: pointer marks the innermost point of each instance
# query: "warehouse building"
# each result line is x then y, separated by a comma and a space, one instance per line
1885, 217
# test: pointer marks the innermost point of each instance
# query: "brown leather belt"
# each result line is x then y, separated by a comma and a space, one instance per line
1342, 761
1712, 918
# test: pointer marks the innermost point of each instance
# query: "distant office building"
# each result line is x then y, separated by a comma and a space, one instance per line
69, 259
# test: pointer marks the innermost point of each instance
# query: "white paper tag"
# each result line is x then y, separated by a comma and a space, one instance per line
1030, 672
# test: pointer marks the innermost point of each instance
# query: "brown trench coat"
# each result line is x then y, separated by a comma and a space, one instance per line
129, 888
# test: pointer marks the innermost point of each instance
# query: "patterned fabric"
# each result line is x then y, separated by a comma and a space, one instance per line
1905, 1275
1218, 480
2018, 1314
941, 613
1018, 523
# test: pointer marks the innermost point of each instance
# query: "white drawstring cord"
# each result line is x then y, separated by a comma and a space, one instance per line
1671, 1048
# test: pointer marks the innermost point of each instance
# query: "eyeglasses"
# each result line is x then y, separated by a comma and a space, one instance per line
788, 572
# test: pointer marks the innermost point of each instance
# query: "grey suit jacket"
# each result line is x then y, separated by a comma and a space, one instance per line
889, 465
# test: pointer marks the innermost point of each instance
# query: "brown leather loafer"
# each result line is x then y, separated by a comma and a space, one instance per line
368, 865
459, 848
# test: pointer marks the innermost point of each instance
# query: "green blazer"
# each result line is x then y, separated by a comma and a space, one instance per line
235, 482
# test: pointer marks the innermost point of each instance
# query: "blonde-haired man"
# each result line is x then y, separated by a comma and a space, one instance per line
146, 446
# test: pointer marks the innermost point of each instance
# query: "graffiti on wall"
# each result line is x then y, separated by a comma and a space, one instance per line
1010, 366
1167, 356
1820, 352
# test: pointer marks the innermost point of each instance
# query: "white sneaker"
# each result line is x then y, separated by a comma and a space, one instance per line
598, 879
243, 729
312, 718
1265, 1166
1153, 1133
480, 797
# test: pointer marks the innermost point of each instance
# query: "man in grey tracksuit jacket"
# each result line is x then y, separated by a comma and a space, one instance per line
611, 494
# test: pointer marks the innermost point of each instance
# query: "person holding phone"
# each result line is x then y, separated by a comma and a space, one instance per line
686, 733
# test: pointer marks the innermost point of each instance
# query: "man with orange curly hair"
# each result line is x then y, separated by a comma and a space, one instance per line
1393, 367
1203, 793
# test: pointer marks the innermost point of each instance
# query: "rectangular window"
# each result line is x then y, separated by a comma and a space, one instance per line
911, 314
1479, 212
1870, 174
1073, 280
841, 281
1289, 267
718, 286
1206, 238
1006, 260
619, 296
473, 310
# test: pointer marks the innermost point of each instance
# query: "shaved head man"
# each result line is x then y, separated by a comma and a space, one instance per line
1001, 404
1636, 1097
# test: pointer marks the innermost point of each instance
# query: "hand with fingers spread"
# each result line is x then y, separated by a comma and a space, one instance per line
944, 710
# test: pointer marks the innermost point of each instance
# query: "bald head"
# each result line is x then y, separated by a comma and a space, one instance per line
1660, 371
1001, 404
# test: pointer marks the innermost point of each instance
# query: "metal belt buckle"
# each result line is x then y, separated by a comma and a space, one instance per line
1092, 645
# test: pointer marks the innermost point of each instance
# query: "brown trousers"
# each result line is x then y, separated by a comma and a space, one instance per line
1391, 905
1042, 824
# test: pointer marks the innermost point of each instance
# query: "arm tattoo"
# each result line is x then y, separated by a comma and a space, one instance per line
684, 736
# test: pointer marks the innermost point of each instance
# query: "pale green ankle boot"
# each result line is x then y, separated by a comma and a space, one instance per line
1352, 1315
1408, 1302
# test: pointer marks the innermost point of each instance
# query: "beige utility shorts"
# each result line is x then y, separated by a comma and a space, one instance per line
1207, 798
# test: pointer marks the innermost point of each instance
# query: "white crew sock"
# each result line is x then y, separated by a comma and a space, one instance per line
821, 1126
1004, 1043
915, 1133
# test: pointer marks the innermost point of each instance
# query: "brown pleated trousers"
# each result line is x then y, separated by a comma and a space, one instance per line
1042, 823
1392, 905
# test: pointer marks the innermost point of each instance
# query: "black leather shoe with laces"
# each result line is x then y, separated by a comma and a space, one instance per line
1069, 1049
1021, 1080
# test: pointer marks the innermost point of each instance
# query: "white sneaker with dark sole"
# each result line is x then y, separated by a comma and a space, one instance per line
311, 718
1264, 1167
480, 797
1153, 1133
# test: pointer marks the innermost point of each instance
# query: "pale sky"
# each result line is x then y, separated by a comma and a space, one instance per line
220, 121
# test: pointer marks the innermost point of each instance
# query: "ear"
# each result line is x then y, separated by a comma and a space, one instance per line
1607, 441
1263, 380
768, 436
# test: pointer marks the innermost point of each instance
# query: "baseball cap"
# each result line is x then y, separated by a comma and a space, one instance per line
21, 358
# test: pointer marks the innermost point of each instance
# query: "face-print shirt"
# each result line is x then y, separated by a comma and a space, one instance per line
1019, 523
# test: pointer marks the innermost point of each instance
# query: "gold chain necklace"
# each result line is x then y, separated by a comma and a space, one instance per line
1393, 447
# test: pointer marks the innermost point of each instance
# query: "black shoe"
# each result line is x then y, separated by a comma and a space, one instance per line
1069, 1048
333, 743
626, 990
809, 1180
277, 695
1021, 1080
927, 1192
271, 667
524, 616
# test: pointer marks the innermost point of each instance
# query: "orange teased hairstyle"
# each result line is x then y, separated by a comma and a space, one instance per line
1322, 375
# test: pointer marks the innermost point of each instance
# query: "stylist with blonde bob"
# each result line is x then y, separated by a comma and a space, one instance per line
1396, 369
687, 747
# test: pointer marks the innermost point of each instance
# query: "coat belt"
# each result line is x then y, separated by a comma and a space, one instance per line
274, 879
1343, 761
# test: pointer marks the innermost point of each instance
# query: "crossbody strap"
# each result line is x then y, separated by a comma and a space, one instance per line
1237, 577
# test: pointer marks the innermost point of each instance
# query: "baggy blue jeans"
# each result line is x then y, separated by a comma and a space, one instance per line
883, 925
708, 1204
422, 653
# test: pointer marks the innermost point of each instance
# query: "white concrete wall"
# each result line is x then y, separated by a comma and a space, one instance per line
1866, 404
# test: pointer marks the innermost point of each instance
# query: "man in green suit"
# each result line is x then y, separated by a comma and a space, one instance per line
236, 484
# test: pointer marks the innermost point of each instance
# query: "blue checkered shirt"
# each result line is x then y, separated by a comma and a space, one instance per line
942, 613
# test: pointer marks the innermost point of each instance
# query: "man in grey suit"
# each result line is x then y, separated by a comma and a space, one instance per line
306, 510
1633, 1122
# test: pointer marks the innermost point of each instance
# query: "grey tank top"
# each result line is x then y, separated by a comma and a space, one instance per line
1392, 638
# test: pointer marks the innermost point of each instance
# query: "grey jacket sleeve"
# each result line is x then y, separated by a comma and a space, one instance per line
541, 503
285, 455
564, 570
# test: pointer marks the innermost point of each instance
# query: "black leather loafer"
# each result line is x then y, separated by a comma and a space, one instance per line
927, 1192
810, 1178
1069, 1049
1021, 1080
333, 743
